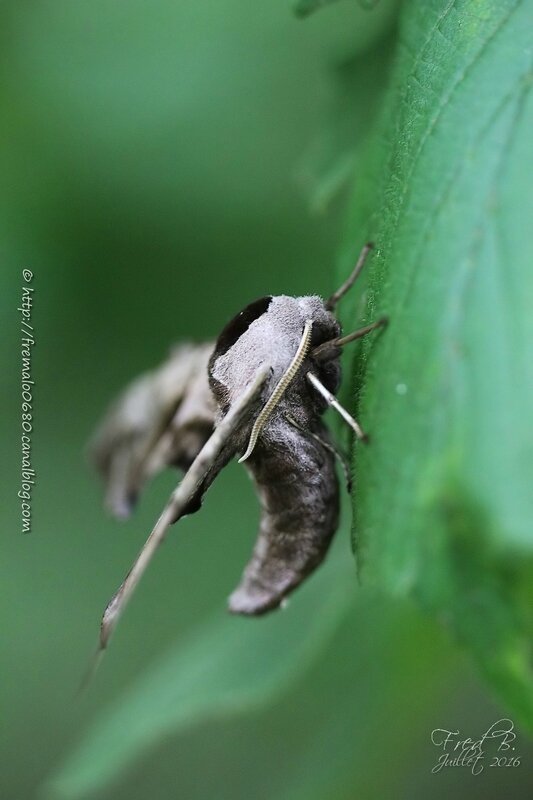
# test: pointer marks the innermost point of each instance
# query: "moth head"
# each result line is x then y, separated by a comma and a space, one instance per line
268, 331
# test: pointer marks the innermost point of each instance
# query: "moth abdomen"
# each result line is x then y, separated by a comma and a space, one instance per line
298, 490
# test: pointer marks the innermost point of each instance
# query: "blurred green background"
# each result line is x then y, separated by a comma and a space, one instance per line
165, 163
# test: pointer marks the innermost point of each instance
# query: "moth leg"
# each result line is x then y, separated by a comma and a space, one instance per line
382, 322
349, 282
334, 403
337, 452
330, 349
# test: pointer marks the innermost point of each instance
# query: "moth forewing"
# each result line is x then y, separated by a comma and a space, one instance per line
163, 418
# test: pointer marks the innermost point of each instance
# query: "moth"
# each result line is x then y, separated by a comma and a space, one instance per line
258, 392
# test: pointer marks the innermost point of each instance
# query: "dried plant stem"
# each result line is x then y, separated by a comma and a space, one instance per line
176, 507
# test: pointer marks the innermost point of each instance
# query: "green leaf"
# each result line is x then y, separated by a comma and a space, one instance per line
444, 505
230, 665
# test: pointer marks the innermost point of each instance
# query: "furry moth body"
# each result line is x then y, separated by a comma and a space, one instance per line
293, 472
258, 392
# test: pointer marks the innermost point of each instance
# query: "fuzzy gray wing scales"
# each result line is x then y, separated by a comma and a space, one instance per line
163, 418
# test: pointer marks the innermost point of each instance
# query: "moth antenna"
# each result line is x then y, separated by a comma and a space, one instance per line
280, 389
176, 507
349, 282
328, 349
337, 452
334, 403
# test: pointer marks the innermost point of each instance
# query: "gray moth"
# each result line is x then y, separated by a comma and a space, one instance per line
258, 392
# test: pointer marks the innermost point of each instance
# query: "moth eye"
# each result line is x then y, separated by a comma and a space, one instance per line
240, 324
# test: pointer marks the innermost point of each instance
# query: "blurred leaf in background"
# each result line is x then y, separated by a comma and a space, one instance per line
231, 666
154, 157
